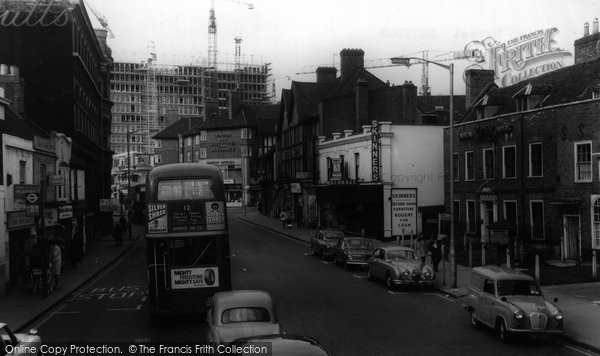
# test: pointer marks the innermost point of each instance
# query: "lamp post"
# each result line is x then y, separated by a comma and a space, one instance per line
129, 133
405, 61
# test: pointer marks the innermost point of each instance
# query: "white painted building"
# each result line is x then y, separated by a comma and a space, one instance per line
384, 185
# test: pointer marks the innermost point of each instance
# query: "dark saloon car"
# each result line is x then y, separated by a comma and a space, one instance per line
323, 241
278, 345
399, 265
352, 251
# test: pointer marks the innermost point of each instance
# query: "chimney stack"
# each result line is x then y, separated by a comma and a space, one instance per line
14, 86
234, 103
326, 75
350, 60
587, 48
476, 80
586, 29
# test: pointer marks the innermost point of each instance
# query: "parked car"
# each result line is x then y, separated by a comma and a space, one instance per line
323, 240
352, 251
22, 344
399, 265
283, 345
241, 313
510, 302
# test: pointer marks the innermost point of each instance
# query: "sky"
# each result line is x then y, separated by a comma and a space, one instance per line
296, 36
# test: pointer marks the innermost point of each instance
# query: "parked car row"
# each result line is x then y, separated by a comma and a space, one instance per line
246, 318
396, 265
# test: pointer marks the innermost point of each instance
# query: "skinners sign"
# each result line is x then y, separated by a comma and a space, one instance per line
523, 57
31, 14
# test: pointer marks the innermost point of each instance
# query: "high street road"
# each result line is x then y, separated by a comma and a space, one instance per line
342, 309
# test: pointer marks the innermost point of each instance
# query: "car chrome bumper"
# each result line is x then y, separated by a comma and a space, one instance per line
412, 282
529, 331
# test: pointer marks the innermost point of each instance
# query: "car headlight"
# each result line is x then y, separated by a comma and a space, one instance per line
350, 257
406, 274
518, 315
427, 273
557, 315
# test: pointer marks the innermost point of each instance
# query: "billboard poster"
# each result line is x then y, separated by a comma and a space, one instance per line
157, 217
215, 216
404, 211
187, 278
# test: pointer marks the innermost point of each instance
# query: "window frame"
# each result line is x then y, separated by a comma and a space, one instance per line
467, 176
504, 148
530, 173
467, 219
485, 163
531, 220
576, 162
456, 163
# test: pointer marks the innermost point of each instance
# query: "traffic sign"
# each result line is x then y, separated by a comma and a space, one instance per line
56, 180
32, 198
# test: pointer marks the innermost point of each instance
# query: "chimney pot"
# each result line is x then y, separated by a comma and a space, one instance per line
336, 135
366, 129
348, 133
586, 29
4, 69
595, 25
14, 70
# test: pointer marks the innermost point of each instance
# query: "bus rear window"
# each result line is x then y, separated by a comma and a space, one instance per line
185, 189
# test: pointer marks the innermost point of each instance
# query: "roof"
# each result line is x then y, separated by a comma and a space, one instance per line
394, 247
179, 127
242, 298
565, 85
496, 272
20, 125
435, 104
306, 96
184, 169
346, 86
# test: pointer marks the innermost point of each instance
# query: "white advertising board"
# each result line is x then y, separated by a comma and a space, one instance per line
186, 278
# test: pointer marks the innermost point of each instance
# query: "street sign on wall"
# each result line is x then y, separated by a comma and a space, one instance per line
404, 211
24, 191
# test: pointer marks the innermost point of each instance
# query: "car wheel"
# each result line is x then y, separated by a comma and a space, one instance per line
369, 275
503, 332
474, 321
388, 281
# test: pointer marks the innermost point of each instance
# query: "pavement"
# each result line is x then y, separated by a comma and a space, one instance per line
22, 308
579, 303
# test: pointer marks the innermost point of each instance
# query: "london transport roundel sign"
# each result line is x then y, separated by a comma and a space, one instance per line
31, 198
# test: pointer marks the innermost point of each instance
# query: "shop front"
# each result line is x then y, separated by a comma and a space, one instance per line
356, 209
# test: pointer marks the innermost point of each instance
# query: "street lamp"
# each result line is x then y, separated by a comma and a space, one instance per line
129, 133
405, 61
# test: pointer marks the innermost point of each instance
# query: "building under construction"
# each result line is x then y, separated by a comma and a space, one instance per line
145, 93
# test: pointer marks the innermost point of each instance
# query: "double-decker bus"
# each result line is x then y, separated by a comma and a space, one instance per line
187, 237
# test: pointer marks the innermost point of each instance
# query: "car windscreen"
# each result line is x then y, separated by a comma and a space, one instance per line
518, 287
400, 254
185, 189
245, 314
333, 235
358, 243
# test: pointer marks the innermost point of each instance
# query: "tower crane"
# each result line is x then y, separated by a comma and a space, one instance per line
213, 95
100, 18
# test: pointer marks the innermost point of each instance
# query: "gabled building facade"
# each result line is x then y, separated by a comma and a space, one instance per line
525, 158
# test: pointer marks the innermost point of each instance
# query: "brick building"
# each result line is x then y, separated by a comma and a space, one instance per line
525, 160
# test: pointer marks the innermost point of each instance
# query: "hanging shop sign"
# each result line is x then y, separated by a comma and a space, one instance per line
26, 194
375, 176
523, 57
404, 211
295, 188
66, 211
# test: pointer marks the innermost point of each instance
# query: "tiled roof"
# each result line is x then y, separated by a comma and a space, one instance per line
267, 117
569, 84
179, 127
306, 96
20, 126
346, 86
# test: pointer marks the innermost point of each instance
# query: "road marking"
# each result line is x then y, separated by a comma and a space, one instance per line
37, 326
584, 352
139, 307
307, 253
359, 277
396, 293
243, 269
67, 312
305, 243
144, 299
325, 262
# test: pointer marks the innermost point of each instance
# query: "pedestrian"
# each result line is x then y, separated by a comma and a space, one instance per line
420, 246
283, 216
56, 259
118, 234
436, 254
298, 216
290, 218
75, 250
